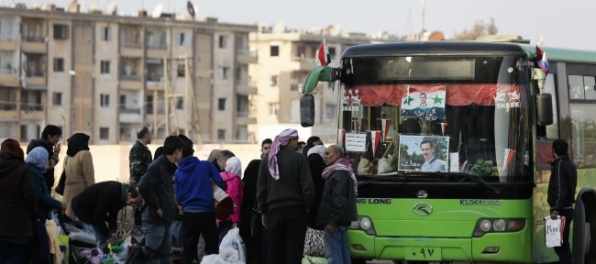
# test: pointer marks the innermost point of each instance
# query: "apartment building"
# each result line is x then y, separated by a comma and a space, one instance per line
285, 57
106, 75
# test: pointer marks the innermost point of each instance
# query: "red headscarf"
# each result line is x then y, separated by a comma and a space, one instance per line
11, 149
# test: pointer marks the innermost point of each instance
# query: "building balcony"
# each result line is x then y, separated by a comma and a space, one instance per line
8, 111
33, 44
246, 88
131, 82
157, 46
157, 53
245, 118
35, 80
304, 64
9, 77
246, 56
8, 42
32, 112
131, 49
130, 115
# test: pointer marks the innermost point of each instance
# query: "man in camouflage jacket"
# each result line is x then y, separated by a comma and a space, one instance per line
140, 156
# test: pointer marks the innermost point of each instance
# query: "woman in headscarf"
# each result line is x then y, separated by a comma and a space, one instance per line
232, 178
40, 245
17, 203
78, 166
317, 165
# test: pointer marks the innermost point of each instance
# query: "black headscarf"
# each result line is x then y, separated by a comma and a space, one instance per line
76, 143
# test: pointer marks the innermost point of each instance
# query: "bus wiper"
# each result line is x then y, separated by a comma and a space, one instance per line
478, 180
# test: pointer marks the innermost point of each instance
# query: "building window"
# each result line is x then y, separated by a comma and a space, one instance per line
274, 51
273, 82
122, 102
221, 104
223, 42
273, 109
57, 98
221, 134
330, 111
104, 100
149, 104
180, 104
223, 73
104, 133
181, 39
106, 34
24, 137
105, 67
181, 70
58, 65
60, 31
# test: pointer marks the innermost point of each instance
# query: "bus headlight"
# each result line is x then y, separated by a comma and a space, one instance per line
364, 223
488, 225
499, 225
485, 225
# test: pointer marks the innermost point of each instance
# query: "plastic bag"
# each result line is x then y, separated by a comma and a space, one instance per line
120, 251
553, 231
226, 256
314, 242
233, 240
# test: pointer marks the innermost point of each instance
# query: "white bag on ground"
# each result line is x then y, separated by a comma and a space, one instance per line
226, 256
553, 231
233, 240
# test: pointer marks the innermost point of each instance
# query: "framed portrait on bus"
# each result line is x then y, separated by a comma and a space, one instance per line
423, 153
425, 102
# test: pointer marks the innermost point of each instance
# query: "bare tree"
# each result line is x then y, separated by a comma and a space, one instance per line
479, 29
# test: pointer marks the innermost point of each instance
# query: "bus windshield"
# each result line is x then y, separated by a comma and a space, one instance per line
436, 115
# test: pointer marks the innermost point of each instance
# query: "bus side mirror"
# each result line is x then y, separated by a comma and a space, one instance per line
544, 109
307, 110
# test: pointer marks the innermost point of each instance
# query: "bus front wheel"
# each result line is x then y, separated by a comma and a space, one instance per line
584, 226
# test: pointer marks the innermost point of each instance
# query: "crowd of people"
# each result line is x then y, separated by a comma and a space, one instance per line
290, 187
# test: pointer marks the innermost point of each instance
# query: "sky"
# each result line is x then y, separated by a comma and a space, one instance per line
561, 23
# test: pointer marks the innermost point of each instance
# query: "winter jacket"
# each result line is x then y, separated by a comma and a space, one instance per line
157, 189
193, 184
80, 174
562, 184
45, 202
338, 203
17, 199
294, 187
99, 204
235, 192
139, 159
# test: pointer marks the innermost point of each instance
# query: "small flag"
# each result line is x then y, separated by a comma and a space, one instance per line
323, 58
341, 133
541, 59
385, 124
375, 136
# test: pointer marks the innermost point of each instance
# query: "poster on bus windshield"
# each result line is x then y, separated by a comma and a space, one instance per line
423, 102
423, 153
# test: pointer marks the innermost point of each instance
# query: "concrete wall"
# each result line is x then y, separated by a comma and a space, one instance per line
111, 161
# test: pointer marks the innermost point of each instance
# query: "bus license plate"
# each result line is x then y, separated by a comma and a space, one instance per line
422, 253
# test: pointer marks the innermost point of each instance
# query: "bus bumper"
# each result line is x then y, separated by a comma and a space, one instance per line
495, 247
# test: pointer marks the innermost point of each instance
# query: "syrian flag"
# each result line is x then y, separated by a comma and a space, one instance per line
541, 59
323, 58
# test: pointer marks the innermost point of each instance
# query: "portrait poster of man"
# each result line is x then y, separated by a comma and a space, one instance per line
423, 153
426, 102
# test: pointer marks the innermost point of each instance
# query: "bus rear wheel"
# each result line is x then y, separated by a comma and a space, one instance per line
584, 227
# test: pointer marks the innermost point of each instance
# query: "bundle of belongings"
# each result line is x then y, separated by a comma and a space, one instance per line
79, 245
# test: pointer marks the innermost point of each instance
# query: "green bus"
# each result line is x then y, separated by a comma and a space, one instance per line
450, 143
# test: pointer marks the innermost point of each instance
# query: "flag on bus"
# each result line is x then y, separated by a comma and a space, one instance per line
541, 59
323, 58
